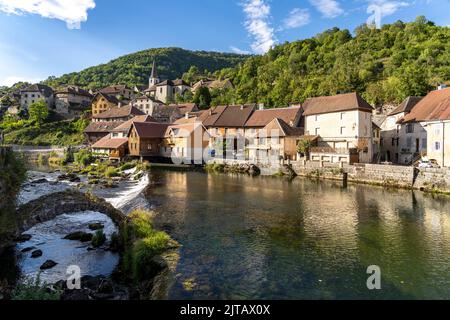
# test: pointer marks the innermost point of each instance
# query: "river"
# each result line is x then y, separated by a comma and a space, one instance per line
270, 238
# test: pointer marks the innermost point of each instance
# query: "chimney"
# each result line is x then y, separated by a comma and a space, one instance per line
186, 116
242, 107
442, 86
261, 106
120, 104
210, 112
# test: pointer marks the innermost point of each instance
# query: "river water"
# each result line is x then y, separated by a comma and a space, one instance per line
269, 238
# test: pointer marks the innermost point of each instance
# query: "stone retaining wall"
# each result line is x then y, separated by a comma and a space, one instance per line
433, 180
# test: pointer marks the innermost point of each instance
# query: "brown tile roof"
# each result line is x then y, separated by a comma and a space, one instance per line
126, 126
122, 112
45, 90
108, 143
406, 106
94, 127
114, 89
150, 129
182, 130
435, 106
234, 116
261, 118
283, 128
212, 115
341, 102
185, 107
111, 99
180, 82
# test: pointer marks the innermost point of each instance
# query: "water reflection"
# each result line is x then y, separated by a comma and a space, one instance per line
270, 238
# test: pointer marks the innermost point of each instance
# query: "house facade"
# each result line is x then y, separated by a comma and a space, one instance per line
343, 124
186, 143
432, 116
103, 102
35, 93
120, 92
390, 144
146, 139
124, 113
72, 100
146, 104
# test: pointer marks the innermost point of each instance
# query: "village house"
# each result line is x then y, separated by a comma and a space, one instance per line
275, 142
146, 139
390, 148
343, 124
103, 102
35, 93
213, 84
98, 130
72, 101
114, 145
432, 114
146, 104
120, 92
165, 91
186, 143
124, 113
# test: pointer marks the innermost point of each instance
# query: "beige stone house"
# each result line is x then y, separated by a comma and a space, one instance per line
124, 113
72, 100
103, 102
35, 93
433, 114
343, 124
390, 144
121, 92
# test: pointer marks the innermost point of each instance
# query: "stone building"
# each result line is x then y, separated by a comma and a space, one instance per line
72, 101
35, 93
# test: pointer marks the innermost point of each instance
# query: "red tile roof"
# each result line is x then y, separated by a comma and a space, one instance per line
338, 103
406, 106
261, 118
435, 106
108, 143
126, 126
122, 112
94, 127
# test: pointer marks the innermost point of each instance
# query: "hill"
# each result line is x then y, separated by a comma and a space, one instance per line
385, 65
134, 69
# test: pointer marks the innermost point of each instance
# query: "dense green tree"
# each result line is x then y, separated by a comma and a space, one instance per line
202, 98
38, 112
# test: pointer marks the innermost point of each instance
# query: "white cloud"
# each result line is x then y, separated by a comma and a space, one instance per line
238, 51
297, 18
328, 8
383, 8
9, 81
73, 12
257, 24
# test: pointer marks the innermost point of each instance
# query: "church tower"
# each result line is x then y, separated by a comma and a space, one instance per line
153, 80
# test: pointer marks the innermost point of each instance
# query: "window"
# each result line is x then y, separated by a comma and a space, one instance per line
316, 118
149, 147
317, 131
424, 143
393, 141
342, 130
342, 115
409, 128
437, 146
408, 142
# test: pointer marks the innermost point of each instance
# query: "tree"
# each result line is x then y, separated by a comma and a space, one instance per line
38, 112
202, 98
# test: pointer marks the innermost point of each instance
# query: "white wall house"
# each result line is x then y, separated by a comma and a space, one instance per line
391, 144
425, 130
343, 124
35, 93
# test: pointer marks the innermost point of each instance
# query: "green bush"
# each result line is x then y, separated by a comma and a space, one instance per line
145, 250
98, 239
34, 289
83, 158
111, 172
140, 224
127, 166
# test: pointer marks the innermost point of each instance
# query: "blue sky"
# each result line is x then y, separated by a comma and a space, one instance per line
39, 38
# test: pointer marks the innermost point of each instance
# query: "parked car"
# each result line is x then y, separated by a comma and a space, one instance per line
426, 163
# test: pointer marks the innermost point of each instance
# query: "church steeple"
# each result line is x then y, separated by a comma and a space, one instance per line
154, 76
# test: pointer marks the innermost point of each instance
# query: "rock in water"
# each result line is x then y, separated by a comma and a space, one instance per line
48, 265
96, 226
28, 249
80, 236
36, 254
39, 181
23, 238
